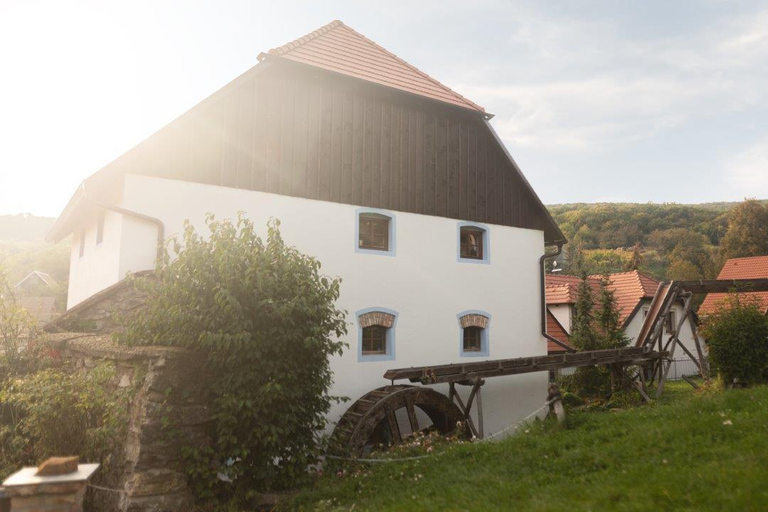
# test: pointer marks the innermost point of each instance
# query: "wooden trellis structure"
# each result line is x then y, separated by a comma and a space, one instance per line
667, 296
372, 417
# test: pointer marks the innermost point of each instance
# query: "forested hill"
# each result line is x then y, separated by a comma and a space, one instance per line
23, 248
24, 227
671, 240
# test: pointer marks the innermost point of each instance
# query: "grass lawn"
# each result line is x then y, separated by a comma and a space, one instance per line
689, 451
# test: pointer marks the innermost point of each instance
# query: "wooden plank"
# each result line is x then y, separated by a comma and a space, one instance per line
301, 142
471, 190
703, 366
418, 161
430, 163
724, 285
454, 188
441, 167
386, 155
482, 180
463, 181
259, 143
314, 107
414, 171
347, 148
405, 155
367, 154
514, 366
393, 426
337, 140
396, 163
319, 178
412, 417
287, 137
358, 133
375, 151
245, 126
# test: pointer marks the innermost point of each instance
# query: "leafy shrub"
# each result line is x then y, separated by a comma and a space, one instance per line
53, 412
265, 320
737, 335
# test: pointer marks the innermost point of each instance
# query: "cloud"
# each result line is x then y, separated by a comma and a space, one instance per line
747, 172
585, 85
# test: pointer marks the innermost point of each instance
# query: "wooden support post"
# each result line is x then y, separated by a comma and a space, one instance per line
412, 418
555, 401
703, 363
393, 427
464, 410
684, 317
480, 430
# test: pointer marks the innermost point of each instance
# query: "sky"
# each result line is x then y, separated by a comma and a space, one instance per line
647, 101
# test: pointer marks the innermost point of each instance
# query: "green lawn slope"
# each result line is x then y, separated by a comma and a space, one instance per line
689, 451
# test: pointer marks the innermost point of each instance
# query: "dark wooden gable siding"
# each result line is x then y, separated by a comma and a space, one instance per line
315, 135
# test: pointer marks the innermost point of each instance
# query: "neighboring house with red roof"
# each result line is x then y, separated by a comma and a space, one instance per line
396, 183
755, 267
633, 291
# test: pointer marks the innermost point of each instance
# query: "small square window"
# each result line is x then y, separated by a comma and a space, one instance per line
473, 339
82, 243
670, 323
374, 232
473, 243
100, 229
374, 340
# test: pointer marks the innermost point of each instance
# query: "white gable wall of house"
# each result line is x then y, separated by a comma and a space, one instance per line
562, 312
686, 332
423, 282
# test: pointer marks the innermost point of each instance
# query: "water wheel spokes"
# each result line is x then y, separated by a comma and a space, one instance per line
389, 414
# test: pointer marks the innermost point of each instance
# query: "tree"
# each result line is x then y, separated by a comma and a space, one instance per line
737, 336
637, 257
16, 326
608, 318
747, 233
265, 320
583, 335
594, 329
574, 259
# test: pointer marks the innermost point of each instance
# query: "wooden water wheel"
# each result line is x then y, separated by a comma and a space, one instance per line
389, 414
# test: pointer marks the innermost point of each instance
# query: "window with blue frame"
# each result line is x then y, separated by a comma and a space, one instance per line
473, 243
473, 340
376, 333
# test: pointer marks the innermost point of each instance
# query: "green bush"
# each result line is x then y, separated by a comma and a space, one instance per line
265, 320
53, 412
737, 336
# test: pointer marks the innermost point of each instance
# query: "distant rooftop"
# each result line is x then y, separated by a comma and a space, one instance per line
755, 267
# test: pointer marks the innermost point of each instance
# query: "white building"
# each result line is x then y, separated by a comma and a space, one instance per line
393, 181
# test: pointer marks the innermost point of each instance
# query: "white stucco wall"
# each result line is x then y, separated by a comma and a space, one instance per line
423, 282
562, 312
686, 333
99, 265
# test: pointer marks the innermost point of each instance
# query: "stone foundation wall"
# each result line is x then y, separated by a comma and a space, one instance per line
167, 385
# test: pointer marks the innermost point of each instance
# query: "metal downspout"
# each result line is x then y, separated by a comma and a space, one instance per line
543, 270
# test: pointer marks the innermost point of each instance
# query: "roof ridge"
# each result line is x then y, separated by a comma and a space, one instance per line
285, 48
747, 258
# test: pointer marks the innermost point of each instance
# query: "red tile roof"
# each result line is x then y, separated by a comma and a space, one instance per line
336, 47
755, 267
629, 288
555, 330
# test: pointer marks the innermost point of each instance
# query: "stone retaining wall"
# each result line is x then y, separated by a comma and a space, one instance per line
167, 387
